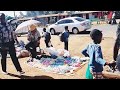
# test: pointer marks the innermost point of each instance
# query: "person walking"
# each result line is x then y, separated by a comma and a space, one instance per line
47, 36
64, 37
109, 16
113, 19
7, 40
117, 43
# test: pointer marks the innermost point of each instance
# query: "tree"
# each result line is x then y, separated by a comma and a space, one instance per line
8, 17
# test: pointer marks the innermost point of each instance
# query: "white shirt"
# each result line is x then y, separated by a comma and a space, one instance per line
113, 15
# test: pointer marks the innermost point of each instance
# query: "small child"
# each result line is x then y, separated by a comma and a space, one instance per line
47, 36
94, 51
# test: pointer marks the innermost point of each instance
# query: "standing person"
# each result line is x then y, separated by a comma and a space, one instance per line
7, 40
34, 41
116, 55
106, 19
110, 17
64, 37
117, 43
47, 36
113, 19
99, 18
94, 51
14, 28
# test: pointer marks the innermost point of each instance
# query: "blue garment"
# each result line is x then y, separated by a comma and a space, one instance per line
66, 36
96, 59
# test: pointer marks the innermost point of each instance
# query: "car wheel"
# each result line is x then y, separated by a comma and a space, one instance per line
19, 35
52, 31
75, 30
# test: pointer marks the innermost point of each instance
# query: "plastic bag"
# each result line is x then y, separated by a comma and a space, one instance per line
52, 51
88, 73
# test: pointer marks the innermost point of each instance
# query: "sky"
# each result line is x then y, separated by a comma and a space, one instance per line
11, 13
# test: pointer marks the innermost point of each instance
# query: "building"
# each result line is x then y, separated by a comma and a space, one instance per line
52, 18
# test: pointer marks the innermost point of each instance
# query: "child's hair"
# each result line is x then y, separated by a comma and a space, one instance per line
95, 33
44, 29
66, 27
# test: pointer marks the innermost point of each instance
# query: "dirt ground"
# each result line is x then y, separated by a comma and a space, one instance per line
76, 44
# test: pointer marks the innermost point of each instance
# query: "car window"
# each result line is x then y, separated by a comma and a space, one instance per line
79, 19
68, 21
61, 22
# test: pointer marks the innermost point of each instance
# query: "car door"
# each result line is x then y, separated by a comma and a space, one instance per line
60, 26
69, 23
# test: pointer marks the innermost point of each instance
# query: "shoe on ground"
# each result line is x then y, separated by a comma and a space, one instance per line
37, 57
5, 73
21, 72
30, 60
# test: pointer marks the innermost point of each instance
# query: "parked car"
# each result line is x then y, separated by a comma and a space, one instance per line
75, 25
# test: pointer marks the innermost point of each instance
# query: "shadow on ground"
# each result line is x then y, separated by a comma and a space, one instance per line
31, 77
84, 32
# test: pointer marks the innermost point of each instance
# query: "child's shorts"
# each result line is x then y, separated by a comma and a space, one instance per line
96, 75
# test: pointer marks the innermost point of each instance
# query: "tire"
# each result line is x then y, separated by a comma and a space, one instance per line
75, 30
52, 30
19, 35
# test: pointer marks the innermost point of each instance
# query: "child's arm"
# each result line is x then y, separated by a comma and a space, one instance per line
84, 52
99, 59
98, 55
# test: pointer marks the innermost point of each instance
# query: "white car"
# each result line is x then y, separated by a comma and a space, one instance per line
75, 25
40, 29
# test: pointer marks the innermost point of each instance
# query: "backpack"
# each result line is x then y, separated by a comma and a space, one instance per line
62, 37
48, 36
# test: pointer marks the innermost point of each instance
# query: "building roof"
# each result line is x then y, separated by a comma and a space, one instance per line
60, 14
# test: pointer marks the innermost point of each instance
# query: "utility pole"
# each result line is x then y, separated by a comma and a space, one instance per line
14, 15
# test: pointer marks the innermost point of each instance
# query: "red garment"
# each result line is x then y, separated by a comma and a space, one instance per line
99, 14
110, 15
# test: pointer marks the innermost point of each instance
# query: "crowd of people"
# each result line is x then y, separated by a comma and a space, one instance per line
93, 50
8, 39
109, 18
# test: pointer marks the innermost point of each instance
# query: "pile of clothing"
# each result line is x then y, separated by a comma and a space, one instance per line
60, 65
21, 51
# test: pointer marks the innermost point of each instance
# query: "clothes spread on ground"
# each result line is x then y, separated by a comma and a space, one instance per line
60, 65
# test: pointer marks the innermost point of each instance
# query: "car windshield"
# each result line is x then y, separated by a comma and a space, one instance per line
79, 19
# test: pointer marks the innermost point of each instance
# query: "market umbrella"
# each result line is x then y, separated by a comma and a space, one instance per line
27, 25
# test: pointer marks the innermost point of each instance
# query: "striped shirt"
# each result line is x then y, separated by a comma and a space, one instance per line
7, 33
